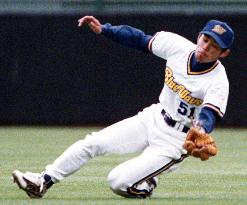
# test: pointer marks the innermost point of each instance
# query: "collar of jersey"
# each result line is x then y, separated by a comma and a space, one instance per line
196, 68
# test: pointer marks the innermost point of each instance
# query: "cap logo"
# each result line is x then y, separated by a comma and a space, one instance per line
219, 29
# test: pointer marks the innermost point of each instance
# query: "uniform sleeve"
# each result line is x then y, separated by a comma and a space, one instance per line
207, 119
217, 96
127, 36
165, 44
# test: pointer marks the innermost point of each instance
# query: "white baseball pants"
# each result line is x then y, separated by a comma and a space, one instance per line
146, 132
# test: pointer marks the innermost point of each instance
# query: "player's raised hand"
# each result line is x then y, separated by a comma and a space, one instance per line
92, 22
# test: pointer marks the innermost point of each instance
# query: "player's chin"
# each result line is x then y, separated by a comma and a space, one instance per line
202, 57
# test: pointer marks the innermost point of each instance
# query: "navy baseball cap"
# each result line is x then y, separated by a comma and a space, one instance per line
220, 32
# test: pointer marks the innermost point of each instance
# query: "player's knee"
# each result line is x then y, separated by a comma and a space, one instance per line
118, 183
114, 181
118, 186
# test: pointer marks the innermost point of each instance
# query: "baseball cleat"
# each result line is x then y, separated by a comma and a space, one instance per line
32, 183
18, 179
143, 190
152, 182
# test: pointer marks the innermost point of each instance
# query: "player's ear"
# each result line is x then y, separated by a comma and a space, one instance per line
225, 53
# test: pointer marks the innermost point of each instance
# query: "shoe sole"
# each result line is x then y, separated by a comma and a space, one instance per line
16, 180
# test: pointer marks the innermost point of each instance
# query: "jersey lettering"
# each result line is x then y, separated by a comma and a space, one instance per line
183, 93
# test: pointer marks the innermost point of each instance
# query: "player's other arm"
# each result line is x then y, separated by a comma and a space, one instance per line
123, 34
207, 119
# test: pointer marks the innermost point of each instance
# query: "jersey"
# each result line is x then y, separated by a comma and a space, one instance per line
185, 91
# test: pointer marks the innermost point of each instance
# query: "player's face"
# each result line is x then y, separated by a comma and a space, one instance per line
207, 49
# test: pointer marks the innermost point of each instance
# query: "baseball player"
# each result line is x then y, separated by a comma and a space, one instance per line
195, 86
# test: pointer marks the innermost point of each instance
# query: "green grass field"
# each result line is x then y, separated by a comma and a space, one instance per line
220, 180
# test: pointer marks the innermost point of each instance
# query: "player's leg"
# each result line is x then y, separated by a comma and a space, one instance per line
137, 177
125, 136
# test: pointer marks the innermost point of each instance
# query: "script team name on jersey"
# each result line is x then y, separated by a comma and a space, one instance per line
181, 90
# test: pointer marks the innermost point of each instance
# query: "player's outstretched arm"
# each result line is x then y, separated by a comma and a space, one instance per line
92, 22
123, 34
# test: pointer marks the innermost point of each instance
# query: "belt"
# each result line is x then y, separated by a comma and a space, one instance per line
174, 123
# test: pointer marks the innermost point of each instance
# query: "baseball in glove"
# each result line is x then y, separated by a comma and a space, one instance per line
200, 144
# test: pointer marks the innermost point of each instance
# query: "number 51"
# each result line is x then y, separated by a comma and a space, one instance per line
184, 109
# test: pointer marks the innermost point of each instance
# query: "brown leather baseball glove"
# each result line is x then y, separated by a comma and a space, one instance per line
199, 144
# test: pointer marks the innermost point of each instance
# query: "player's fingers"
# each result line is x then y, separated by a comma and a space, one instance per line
81, 21
88, 20
85, 19
96, 22
95, 27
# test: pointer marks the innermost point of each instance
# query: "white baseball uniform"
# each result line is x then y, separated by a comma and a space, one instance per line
184, 93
